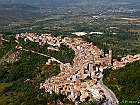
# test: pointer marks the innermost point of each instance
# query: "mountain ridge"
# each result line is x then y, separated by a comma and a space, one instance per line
18, 6
57, 2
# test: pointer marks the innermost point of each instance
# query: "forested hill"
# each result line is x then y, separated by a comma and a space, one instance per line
11, 13
42, 2
17, 6
21, 72
125, 82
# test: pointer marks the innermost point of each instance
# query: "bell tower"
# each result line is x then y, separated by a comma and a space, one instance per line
110, 54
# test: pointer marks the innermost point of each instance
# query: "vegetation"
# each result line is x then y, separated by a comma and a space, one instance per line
4, 85
65, 54
121, 29
7, 45
20, 81
124, 82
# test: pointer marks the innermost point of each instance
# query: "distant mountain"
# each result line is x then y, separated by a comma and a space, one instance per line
42, 2
54, 2
17, 12
18, 6
127, 0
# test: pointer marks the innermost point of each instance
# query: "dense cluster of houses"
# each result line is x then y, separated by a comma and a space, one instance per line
79, 80
125, 60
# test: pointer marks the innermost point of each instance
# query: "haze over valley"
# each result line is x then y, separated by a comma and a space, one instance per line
58, 2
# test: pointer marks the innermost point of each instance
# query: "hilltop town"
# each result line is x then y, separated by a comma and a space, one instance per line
81, 79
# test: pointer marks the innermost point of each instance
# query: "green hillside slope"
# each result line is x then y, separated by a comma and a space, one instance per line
20, 80
125, 82
9, 14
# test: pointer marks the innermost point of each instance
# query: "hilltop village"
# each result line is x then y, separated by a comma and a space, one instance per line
79, 80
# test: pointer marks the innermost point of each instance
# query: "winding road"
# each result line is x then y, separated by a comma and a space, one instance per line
109, 94
112, 100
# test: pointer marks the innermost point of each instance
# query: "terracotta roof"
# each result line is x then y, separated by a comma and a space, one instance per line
83, 96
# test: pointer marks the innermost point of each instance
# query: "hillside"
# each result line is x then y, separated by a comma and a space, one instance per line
42, 2
17, 13
125, 82
21, 74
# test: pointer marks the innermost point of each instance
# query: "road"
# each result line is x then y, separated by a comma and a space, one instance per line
109, 94
20, 48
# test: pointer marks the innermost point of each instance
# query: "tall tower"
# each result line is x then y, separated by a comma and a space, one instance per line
110, 57
91, 66
110, 54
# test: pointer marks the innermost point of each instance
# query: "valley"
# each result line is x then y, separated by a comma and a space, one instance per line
31, 60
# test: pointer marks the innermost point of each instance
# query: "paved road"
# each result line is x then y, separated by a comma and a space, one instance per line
109, 94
